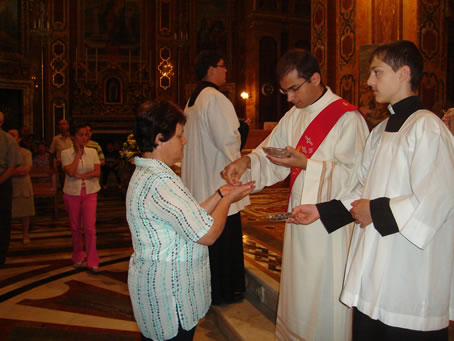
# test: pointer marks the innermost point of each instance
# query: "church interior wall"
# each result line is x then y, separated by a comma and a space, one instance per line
97, 60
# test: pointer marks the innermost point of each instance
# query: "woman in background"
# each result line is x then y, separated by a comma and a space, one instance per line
80, 193
44, 165
23, 205
169, 271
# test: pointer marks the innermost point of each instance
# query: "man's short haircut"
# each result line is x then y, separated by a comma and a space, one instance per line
301, 61
75, 126
205, 59
400, 53
153, 118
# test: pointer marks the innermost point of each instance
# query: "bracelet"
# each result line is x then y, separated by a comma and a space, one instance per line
219, 192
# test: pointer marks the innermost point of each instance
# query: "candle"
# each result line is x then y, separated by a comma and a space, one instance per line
77, 65
140, 67
96, 65
86, 64
129, 51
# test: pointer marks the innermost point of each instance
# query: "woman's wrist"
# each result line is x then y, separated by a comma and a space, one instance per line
220, 193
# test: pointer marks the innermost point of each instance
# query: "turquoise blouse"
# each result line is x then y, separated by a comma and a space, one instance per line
169, 273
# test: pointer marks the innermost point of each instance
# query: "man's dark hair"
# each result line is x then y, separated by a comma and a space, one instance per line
400, 53
301, 61
205, 59
153, 118
75, 126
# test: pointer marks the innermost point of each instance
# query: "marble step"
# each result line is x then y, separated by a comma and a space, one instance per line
243, 322
262, 291
253, 318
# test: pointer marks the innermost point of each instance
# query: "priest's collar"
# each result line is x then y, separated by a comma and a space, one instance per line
202, 85
400, 111
325, 89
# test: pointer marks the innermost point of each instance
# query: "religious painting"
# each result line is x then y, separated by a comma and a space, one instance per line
374, 112
11, 106
211, 25
9, 26
112, 23
113, 91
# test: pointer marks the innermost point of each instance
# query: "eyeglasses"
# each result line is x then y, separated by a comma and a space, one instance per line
292, 89
222, 65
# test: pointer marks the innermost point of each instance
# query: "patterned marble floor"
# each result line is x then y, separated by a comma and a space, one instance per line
42, 297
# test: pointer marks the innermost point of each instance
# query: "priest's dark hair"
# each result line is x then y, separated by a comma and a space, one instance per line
154, 118
301, 61
400, 53
205, 59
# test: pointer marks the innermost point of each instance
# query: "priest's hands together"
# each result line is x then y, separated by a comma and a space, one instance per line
361, 212
295, 160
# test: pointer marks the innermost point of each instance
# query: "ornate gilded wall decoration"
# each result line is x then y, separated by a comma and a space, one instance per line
431, 19
58, 63
347, 43
387, 18
165, 68
319, 34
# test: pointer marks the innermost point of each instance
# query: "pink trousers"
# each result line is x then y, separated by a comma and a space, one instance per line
78, 207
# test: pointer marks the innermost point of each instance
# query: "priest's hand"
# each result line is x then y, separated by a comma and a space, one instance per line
233, 172
304, 215
295, 160
361, 212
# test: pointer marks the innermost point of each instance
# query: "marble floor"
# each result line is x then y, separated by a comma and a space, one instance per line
43, 297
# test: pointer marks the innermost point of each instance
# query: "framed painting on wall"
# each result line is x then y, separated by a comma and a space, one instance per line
112, 23
10, 37
212, 26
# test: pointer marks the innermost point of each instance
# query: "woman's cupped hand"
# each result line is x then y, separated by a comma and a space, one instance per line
237, 191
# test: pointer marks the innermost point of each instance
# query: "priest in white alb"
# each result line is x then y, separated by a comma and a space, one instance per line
325, 136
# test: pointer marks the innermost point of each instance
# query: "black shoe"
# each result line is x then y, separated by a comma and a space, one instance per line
238, 297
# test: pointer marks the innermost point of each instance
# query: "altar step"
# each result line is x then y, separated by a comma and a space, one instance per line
253, 318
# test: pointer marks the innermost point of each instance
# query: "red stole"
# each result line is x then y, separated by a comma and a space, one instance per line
317, 130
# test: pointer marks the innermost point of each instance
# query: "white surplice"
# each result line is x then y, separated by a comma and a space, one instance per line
313, 261
404, 279
213, 142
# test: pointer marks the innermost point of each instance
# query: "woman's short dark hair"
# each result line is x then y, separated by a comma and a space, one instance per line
75, 126
400, 53
205, 59
153, 118
301, 61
